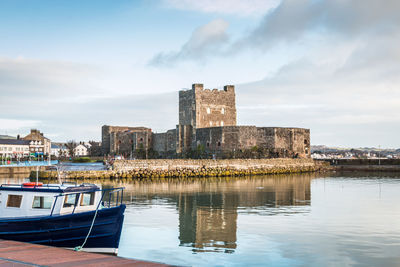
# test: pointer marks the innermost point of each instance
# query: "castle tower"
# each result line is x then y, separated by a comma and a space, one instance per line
203, 108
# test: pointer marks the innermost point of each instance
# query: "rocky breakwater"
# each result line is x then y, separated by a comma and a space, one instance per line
181, 168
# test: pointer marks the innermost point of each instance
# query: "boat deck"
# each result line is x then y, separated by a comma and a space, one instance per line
20, 254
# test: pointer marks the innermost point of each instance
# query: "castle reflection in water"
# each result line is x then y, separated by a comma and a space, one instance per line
208, 209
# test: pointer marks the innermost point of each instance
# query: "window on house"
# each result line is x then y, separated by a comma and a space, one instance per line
208, 144
14, 201
70, 200
87, 199
208, 110
219, 143
41, 202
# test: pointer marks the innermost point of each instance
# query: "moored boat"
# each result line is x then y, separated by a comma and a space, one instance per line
63, 215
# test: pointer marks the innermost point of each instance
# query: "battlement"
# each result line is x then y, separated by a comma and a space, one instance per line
199, 87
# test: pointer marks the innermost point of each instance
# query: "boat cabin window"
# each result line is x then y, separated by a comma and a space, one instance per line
70, 200
87, 199
14, 201
40, 202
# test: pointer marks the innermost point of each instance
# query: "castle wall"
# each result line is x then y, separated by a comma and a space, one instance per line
278, 142
185, 135
165, 143
123, 139
228, 138
187, 107
293, 140
215, 107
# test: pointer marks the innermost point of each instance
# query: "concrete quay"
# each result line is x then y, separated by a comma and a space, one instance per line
20, 254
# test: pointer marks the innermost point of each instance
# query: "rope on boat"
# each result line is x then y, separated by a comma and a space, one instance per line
79, 248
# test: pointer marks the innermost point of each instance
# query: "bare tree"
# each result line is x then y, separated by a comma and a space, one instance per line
71, 147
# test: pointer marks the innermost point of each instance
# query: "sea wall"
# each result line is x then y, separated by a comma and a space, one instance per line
236, 164
174, 168
18, 171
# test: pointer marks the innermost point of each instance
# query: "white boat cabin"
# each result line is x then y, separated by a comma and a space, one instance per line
31, 199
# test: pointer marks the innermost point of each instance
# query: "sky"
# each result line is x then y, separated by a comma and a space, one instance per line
333, 66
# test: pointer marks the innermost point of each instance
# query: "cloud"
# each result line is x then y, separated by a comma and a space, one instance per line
30, 78
60, 97
204, 41
293, 19
348, 104
10, 124
286, 22
82, 121
237, 7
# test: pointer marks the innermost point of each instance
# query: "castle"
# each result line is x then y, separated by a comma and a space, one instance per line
207, 127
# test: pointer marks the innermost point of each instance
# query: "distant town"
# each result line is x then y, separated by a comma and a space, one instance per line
325, 152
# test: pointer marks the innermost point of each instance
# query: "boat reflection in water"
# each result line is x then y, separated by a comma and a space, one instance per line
208, 208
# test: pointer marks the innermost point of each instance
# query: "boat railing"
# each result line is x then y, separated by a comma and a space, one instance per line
46, 186
116, 194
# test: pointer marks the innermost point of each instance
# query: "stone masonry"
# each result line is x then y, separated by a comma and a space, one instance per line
273, 141
202, 108
207, 119
125, 140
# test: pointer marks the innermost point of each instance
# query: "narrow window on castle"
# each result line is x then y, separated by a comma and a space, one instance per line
210, 123
223, 111
219, 143
208, 110
208, 144
222, 123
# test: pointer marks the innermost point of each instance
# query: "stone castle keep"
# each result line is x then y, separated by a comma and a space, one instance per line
207, 127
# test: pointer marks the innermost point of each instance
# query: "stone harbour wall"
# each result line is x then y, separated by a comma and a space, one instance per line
181, 168
176, 164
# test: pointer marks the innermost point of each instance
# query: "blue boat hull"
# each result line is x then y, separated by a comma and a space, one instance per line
68, 230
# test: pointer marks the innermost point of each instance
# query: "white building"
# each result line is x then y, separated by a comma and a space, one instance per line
81, 150
59, 150
14, 148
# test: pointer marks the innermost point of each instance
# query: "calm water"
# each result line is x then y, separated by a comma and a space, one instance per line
303, 220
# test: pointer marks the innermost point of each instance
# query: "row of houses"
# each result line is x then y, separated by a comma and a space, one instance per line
35, 144
61, 150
